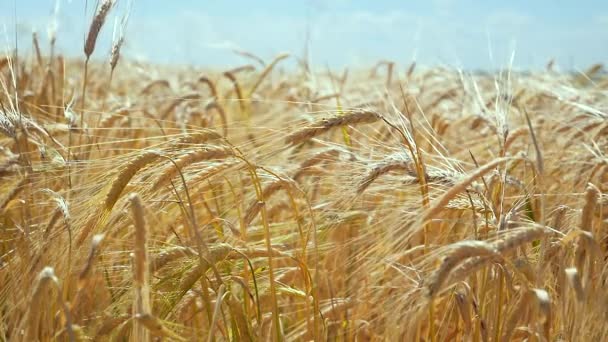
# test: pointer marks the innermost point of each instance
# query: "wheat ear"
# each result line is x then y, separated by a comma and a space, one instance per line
325, 125
438, 205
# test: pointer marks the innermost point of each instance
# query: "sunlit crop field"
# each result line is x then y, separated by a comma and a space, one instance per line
399, 202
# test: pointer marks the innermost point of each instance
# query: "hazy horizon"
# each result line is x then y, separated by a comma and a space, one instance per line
341, 33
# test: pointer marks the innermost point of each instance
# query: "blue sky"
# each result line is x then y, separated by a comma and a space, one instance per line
461, 33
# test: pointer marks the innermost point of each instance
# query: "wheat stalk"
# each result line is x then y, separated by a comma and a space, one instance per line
141, 304
591, 198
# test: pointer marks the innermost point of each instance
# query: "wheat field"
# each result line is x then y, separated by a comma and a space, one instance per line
400, 203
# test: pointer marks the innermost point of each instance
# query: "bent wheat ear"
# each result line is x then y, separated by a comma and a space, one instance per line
256, 206
204, 79
125, 175
267, 71
242, 68
176, 102
169, 255
154, 84
250, 55
517, 238
438, 205
220, 110
458, 253
204, 153
513, 135
324, 125
120, 182
386, 167
502, 246
237, 89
